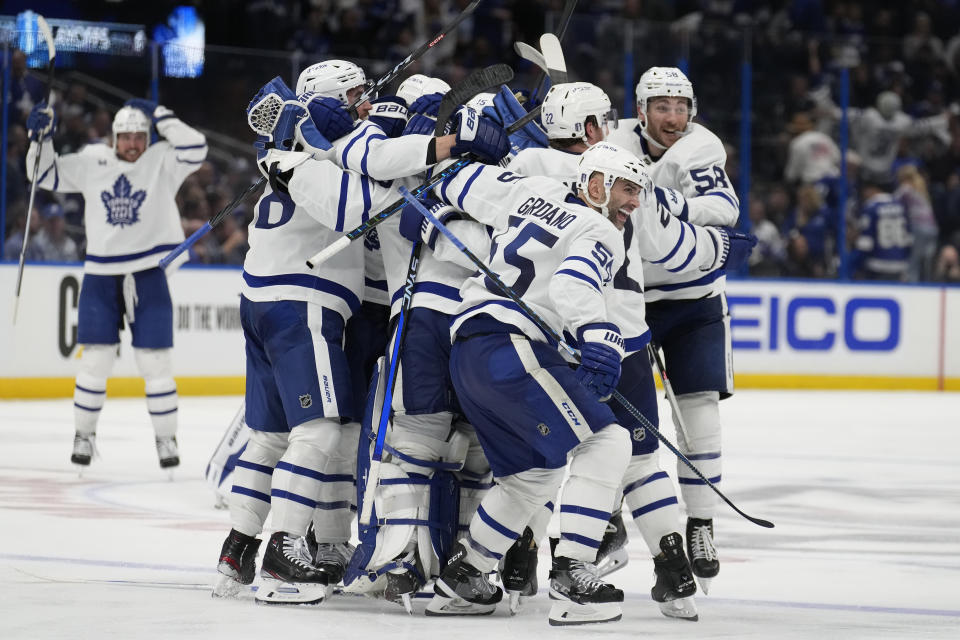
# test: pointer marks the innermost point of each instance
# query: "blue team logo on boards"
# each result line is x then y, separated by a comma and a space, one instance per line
122, 206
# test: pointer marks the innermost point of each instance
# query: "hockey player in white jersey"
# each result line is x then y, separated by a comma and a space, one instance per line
529, 408
130, 220
687, 313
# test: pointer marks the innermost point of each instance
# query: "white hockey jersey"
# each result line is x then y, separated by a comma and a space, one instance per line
694, 166
130, 214
560, 165
324, 202
651, 233
558, 256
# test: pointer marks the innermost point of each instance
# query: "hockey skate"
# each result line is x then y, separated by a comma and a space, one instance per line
332, 559
702, 553
675, 587
404, 580
288, 575
167, 452
461, 590
238, 564
612, 554
84, 448
518, 571
581, 597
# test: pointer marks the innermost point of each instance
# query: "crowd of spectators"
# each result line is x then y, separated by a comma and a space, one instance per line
902, 60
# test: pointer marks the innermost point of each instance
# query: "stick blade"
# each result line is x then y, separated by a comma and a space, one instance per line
479, 81
553, 57
530, 53
47, 34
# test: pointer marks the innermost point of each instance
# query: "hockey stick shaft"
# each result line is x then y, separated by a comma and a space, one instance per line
344, 241
657, 362
547, 329
373, 89
47, 35
373, 474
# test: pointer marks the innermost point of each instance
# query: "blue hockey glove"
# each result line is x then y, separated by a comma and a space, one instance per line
736, 248
601, 350
420, 124
41, 122
330, 117
147, 106
428, 104
390, 114
415, 226
479, 136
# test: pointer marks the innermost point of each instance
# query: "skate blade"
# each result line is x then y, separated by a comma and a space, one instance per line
565, 613
514, 601
704, 584
443, 606
613, 562
681, 608
273, 591
407, 602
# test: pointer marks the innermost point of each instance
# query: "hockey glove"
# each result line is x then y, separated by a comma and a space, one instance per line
420, 124
41, 122
390, 114
147, 106
601, 350
277, 167
330, 117
415, 226
479, 136
428, 105
736, 248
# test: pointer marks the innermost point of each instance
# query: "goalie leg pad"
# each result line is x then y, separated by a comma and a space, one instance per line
223, 462
300, 473
250, 495
90, 391
701, 416
596, 471
156, 367
651, 499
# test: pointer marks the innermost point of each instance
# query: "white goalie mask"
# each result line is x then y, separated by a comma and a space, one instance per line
130, 120
658, 82
567, 106
419, 85
331, 79
612, 162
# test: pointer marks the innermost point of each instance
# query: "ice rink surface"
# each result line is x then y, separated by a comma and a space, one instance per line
864, 488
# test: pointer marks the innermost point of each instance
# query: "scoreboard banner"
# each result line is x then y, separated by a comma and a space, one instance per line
785, 334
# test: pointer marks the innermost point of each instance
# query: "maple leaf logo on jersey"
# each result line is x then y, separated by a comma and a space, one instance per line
123, 206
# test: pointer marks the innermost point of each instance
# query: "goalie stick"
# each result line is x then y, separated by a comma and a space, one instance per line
477, 82
553, 58
561, 29
548, 330
369, 91
44, 30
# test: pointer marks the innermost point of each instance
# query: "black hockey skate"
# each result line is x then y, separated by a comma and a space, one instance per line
612, 554
167, 452
519, 570
330, 558
404, 580
462, 590
703, 555
84, 448
675, 587
288, 575
581, 596
238, 564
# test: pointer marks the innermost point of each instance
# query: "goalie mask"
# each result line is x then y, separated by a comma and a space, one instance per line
331, 79
420, 85
660, 82
612, 162
567, 106
130, 120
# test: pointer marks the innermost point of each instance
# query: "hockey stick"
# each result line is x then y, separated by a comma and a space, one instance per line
531, 54
548, 330
657, 363
561, 29
553, 58
47, 35
369, 91
477, 82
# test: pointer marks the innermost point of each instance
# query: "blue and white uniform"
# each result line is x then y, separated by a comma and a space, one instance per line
687, 312
884, 240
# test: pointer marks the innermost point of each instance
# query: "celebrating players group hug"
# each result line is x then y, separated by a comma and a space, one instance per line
470, 379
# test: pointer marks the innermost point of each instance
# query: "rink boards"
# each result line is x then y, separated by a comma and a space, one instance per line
784, 334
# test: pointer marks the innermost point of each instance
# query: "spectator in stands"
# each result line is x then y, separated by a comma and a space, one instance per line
882, 242
25, 89
52, 242
768, 256
947, 268
912, 193
14, 243
812, 220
